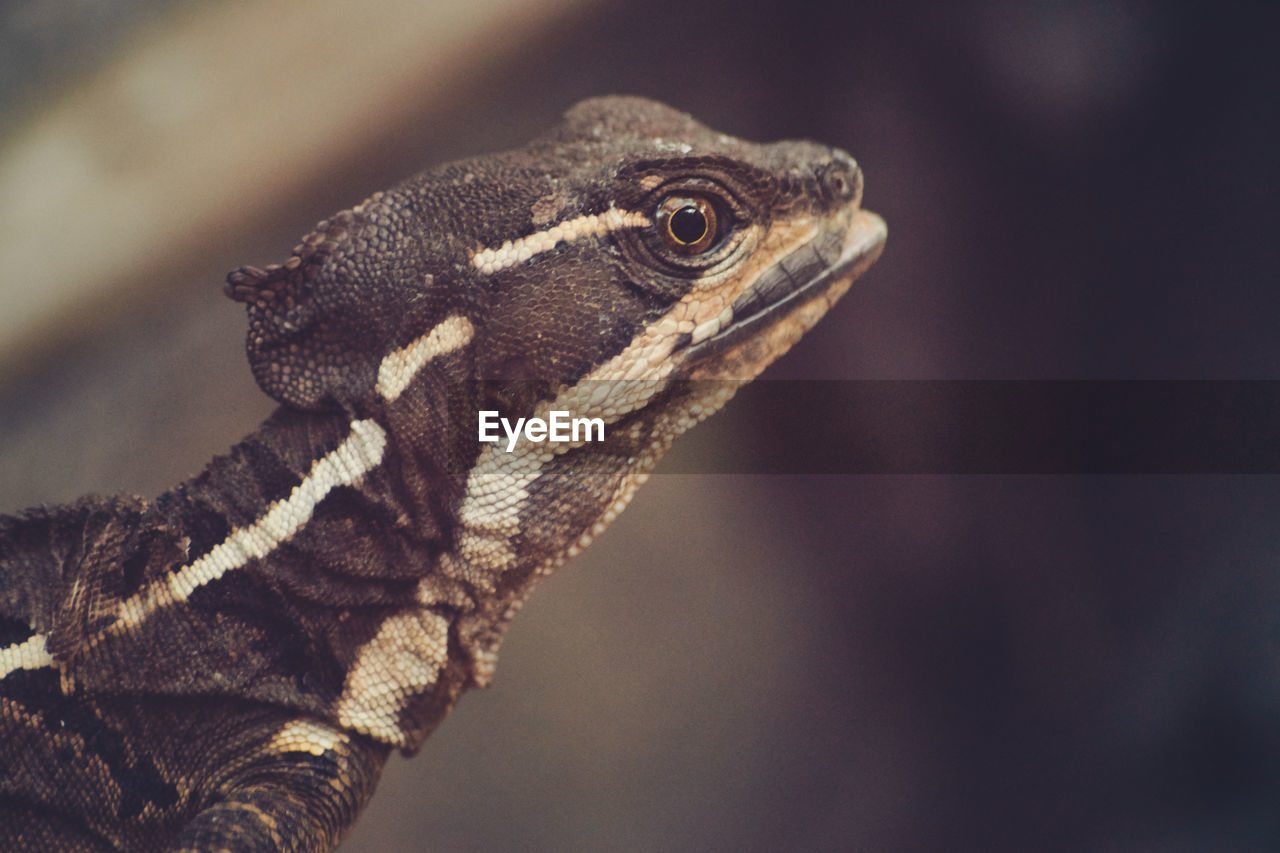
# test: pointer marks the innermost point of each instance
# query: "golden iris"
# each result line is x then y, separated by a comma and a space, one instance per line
687, 223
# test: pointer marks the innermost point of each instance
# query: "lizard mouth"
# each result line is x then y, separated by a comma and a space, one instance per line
802, 285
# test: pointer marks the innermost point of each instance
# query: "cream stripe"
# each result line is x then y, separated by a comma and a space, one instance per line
398, 368
307, 736
498, 484
514, 252
29, 654
398, 664
356, 456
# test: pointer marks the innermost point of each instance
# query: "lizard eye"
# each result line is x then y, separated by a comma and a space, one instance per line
688, 224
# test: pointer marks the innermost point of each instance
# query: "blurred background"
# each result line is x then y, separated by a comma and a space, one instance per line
1074, 190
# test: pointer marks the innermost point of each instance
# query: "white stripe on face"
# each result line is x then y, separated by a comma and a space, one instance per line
498, 485
398, 368
513, 252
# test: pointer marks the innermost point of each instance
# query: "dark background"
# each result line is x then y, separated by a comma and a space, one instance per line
1076, 191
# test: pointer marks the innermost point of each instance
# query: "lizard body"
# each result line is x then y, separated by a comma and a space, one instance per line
227, 667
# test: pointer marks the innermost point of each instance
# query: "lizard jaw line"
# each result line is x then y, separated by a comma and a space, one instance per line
862, 244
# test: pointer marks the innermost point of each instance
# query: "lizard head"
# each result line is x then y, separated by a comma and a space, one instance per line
632, 265
631, 242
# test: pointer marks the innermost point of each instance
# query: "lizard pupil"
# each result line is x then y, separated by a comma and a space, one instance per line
688, 225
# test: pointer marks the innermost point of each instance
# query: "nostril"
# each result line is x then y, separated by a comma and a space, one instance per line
840, 177
838, 183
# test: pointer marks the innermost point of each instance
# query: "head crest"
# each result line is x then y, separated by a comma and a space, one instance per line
314, 340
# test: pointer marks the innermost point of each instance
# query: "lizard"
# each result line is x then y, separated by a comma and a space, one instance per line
229, 665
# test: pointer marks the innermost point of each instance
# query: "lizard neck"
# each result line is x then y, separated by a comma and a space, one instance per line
321, 505
342, 531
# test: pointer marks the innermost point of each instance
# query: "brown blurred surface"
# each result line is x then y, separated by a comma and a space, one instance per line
1074, 190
